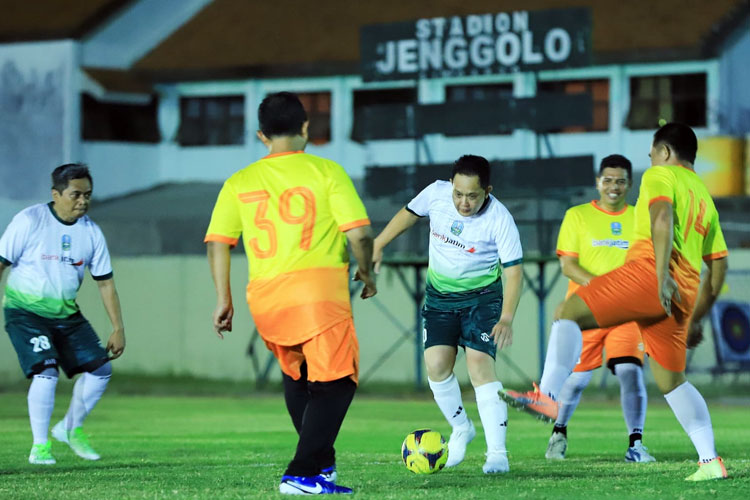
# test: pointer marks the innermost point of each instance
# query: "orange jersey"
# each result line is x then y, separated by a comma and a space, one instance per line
697, 234
292, 210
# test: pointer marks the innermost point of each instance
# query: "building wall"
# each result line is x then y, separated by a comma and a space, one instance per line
734, 74
168, 301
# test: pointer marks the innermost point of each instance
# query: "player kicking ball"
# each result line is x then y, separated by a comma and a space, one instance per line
594, 239
659, 287
48, 247
472, 237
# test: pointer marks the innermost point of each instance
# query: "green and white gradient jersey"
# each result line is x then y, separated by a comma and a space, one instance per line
47, 257
466, 253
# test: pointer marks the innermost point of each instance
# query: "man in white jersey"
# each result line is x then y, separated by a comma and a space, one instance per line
472, 236
48, 246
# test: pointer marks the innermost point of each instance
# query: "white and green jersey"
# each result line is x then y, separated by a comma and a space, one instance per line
47, 257
466, 253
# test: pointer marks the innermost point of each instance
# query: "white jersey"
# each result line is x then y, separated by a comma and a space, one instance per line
47, 257
466, 252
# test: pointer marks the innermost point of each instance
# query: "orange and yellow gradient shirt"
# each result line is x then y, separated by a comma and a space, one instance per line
292, 210
598, 238
697, 234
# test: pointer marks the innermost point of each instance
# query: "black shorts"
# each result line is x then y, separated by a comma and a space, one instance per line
43, 342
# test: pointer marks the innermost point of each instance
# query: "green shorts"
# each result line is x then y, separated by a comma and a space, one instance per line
462, 319
43, 342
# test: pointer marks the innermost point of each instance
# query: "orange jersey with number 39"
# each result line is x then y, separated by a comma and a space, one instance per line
697, 234
292, 210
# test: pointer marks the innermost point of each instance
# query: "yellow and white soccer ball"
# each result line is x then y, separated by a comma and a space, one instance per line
424, 451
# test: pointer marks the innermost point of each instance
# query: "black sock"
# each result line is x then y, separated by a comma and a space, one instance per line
324, 414
636, 436
296, 396
560, 429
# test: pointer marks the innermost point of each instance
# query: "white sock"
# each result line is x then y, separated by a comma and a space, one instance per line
563, 350
87, 391
41, 400
690, 409
447, 395
632, 396
494, 415
570, 396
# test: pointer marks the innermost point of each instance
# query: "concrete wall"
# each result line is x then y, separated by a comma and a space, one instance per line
168, 301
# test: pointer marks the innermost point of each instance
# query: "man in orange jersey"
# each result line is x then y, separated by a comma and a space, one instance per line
659, 286
295, 213
594, 239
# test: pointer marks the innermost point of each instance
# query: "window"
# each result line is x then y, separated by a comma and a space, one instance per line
680, 98
599, 90
380, 114
463, 93
109, 121
318, 108
212, 121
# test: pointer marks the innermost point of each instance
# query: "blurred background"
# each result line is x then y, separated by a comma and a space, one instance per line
159, 98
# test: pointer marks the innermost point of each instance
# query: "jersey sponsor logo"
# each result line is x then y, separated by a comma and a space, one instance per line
451, 241
457, 227
623, 244
66, 243
63, 259
616, 228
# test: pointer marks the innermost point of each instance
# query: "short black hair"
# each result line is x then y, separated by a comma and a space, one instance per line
617, 161
680, 138
473, 165
63, 174
281, 114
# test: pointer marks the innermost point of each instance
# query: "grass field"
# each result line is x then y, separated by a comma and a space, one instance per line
156, 447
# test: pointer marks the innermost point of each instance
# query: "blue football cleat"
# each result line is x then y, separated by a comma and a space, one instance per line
315, 485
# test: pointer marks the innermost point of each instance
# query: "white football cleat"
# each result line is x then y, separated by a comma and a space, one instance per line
41, 454
496, 463
460, 438
638, 453
558, 444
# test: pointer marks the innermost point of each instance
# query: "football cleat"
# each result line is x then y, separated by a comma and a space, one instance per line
460, 438
558, 444
638, 453
41, 454
712, 470
497, 462
539, 405
79, 443
329, 474
315, 485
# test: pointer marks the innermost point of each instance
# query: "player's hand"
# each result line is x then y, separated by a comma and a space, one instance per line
377, 256
502, 334
369, 289
667, 292
116, 344
223, 318
695, 334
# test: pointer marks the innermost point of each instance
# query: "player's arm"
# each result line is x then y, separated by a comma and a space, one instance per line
111, 300
573, 270
662, 233
403, 220
709, 290
502, 332
361, 242
219, 261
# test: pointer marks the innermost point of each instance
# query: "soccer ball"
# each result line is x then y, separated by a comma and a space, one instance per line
424, 451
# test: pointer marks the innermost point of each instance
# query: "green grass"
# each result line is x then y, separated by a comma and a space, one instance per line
156, 447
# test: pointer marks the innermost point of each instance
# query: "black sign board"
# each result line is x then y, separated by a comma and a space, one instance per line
503, 42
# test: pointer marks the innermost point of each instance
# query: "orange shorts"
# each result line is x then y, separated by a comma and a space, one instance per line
330, 355
630, 293
621, 343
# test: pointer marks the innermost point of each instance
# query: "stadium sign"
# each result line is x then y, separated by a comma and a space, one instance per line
480, 44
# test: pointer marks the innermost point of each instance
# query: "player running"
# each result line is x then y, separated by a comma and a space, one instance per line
659, 286
594, 238
472, 237
48, 247
295, 212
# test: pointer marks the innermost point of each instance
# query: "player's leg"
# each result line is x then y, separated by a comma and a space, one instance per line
332, 359
37, 355
81, 352
570, 396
